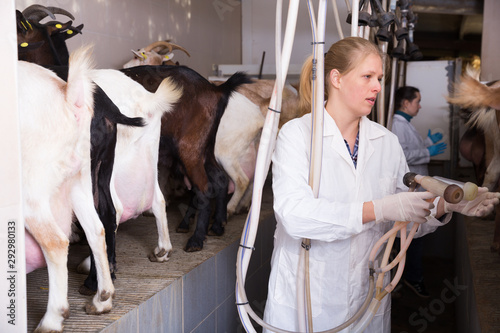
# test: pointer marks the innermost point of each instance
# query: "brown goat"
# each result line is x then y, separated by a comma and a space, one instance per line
188, 138
481, 143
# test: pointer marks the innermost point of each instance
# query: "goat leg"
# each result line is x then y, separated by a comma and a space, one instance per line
183, 226
220, 183
200, 203
162, 252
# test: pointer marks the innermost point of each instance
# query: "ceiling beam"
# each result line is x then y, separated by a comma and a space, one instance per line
446, 42
471, 25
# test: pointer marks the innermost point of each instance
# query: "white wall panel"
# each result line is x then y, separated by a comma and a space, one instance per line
432, 79
259, 21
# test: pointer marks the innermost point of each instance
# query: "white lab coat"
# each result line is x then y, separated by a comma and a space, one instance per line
340, 242
414, 147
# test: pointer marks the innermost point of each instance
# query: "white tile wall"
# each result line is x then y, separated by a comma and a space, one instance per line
211, 35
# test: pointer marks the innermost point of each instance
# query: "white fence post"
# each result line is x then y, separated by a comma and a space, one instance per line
13, 316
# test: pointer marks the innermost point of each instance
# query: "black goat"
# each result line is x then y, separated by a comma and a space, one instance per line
44, 44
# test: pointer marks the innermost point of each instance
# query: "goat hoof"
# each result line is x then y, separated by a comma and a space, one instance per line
216, 231
193, 246
92, 310
84, 290
162, 256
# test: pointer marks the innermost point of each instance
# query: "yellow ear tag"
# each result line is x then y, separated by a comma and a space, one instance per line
69, 32
144, 55
24, 44
58, 26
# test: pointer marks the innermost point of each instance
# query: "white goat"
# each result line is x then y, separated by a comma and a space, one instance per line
239, 133
55, 150
236, 145
134, 181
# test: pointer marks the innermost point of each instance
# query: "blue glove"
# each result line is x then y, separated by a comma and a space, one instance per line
437, 149
435, 137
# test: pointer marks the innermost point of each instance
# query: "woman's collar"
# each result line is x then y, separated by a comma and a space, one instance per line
404, 115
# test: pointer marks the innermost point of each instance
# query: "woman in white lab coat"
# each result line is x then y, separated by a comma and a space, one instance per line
418, 151
362, 168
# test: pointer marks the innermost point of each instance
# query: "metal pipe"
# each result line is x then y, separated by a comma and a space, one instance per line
337, 19
392, 93
355, 18
381, 94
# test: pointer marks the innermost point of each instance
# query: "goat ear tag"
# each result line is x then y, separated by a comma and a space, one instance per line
58, 25
24, 44
169, 56
69, 32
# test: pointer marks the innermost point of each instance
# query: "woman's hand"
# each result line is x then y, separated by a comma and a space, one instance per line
482, 205
404, 206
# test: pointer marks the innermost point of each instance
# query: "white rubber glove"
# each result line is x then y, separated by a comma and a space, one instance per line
404, 206
481, 206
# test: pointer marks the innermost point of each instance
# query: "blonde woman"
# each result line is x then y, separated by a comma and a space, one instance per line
361, 193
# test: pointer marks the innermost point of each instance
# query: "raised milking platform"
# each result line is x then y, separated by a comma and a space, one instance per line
192, 292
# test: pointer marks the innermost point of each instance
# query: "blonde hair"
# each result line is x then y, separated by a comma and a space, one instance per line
343, 56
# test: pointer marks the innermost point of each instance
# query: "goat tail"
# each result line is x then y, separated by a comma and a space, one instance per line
167, 94
227, 88
115, 116
236, 80
80, 88
472, 94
